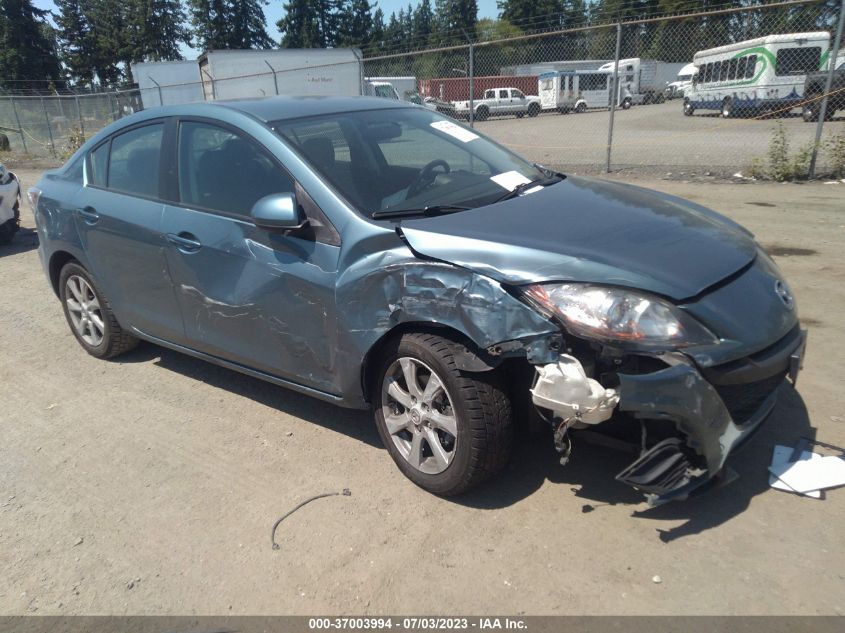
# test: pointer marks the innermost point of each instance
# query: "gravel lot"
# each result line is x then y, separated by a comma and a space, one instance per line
652, 136
148, 485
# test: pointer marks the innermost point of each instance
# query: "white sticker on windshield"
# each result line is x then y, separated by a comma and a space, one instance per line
510, 180
456, 131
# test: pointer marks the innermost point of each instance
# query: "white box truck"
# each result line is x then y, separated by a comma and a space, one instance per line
232, 74
168, 83
645, 79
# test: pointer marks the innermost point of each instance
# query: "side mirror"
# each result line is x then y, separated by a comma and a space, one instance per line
278, 212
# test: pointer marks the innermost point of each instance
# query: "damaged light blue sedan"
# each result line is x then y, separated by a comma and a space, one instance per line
377, 254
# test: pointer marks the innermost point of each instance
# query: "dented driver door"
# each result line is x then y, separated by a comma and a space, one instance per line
258, 298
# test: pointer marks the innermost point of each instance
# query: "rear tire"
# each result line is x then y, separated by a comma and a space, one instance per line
90, 316
533, 109
810, 111
446, 436
482, 113
727, 108
626, 104
581, 108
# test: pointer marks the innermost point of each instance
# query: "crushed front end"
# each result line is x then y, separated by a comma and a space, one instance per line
685, 406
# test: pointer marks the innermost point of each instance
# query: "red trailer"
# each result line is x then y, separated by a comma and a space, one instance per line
457, 88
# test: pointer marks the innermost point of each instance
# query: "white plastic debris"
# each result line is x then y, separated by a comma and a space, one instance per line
808, 475
565, 388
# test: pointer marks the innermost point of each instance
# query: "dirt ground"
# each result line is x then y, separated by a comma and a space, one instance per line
148, 485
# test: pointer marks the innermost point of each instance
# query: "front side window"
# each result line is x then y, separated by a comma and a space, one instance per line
404, 159
220, 170
503, 94
517, 94
798, 61
134, 161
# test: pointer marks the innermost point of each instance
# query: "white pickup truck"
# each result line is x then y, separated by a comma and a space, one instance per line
498, 102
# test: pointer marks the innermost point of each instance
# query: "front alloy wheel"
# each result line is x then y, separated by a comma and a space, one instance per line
445, 428
419, 415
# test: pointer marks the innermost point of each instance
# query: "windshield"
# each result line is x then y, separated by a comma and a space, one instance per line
406, 158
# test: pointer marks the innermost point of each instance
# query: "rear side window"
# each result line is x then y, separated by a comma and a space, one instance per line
99, 164
752, 65
134, 161
798, 61
223, 171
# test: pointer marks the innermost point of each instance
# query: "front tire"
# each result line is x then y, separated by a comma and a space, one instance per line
447, 430
90, 316
688, 108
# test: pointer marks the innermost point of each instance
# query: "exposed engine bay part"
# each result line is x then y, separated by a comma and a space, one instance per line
564, 388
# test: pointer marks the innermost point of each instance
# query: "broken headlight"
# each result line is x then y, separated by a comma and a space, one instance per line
618, 315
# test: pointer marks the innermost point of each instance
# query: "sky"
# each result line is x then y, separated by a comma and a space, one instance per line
273, 12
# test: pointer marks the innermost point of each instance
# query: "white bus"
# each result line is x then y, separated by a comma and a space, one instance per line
765, 74
577, 90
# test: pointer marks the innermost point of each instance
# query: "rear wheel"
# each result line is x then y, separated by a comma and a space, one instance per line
626, 104
727, 108
90, 316
581, 107
533, 109
810, 111
447, 430
482, 113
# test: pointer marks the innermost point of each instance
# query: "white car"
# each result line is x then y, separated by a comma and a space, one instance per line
499, 102
10, 195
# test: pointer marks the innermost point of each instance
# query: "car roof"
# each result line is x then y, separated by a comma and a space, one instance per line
280, 108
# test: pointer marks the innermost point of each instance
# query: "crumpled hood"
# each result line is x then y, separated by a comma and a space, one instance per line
592, 231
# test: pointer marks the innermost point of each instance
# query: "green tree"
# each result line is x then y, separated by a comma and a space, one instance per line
453, 18
423, 23
27, 53
229, 24
311, 23
74, 32
156, 30
109, 39
356, 23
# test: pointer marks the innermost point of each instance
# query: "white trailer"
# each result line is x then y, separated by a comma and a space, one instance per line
168, 83
645, 79
405, 87
232, 74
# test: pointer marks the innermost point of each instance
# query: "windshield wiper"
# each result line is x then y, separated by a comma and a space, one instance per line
434, 209
525, 186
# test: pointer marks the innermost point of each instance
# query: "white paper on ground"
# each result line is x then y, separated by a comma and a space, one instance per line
454, 130
510, 180
812, 474
781, 455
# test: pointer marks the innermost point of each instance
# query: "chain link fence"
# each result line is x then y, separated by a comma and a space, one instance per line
706, 92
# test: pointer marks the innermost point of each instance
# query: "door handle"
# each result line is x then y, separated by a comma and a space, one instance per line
89, 215
184, 241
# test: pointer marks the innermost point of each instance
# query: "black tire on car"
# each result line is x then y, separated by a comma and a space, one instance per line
519, 115
688, 108
626, 104
89, 314
727, 108
7, 231
533, 109
482, 113
448, 435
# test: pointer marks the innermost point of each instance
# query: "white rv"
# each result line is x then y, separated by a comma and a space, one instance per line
645, 79
579, 90
765, 74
